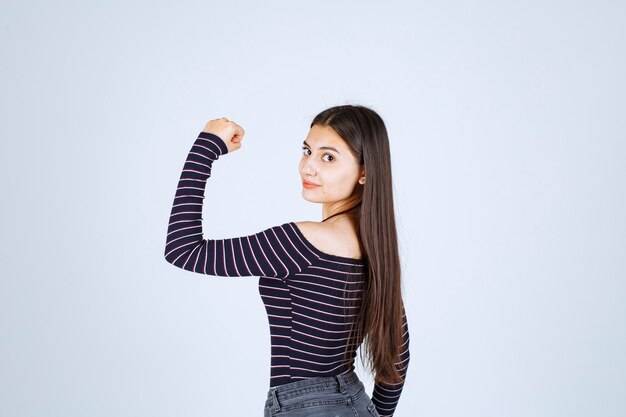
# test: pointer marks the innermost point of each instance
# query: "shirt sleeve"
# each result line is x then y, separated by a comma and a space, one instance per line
386, 396
272, 252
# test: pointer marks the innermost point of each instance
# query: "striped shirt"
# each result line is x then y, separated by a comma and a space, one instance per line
311, 297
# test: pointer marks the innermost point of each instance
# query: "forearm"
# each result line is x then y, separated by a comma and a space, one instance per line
184, 232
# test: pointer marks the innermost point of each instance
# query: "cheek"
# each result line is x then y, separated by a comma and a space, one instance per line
346, 182
337, 183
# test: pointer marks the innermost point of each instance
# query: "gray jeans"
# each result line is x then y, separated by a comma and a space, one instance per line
335, 396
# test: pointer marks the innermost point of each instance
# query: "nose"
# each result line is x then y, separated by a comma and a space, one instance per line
307, 169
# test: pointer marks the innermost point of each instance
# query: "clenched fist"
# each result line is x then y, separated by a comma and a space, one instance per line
230, 132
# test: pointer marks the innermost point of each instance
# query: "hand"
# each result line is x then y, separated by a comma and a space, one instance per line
230, 132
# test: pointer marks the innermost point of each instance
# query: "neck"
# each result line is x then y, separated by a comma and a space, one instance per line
337, 207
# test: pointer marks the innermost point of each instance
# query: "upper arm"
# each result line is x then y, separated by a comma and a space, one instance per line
273, 252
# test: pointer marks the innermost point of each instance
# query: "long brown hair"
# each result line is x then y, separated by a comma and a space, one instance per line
379, 321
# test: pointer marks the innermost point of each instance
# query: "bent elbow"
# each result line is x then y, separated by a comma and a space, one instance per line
169, 256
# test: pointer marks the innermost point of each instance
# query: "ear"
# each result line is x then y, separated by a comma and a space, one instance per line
362, 177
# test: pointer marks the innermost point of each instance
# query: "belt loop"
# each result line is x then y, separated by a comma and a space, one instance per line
275, 400
342, 387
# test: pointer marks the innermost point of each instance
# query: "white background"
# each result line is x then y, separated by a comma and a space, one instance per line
507, 129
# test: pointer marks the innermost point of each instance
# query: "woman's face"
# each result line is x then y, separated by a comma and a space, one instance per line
328, 163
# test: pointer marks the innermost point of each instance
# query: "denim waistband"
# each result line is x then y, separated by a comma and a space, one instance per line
337, 383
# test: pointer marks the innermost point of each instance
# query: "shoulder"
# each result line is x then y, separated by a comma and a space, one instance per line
315, 232
339, 241
307, 228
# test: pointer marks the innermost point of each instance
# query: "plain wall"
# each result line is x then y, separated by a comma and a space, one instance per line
507, 129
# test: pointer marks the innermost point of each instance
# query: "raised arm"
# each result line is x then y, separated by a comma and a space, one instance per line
272, 252
386, 396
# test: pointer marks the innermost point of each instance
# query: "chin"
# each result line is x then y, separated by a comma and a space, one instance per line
310, 200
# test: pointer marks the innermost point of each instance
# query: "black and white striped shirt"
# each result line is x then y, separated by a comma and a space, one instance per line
311, 297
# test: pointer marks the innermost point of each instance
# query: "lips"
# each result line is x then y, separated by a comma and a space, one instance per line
309, 184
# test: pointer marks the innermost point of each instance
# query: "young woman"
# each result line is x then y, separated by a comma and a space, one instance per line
327, 286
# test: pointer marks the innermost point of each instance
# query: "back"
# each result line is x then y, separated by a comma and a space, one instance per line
310, 312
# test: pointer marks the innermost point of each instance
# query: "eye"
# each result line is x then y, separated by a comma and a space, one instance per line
305, 150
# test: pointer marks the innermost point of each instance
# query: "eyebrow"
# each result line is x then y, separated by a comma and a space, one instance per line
330, 148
